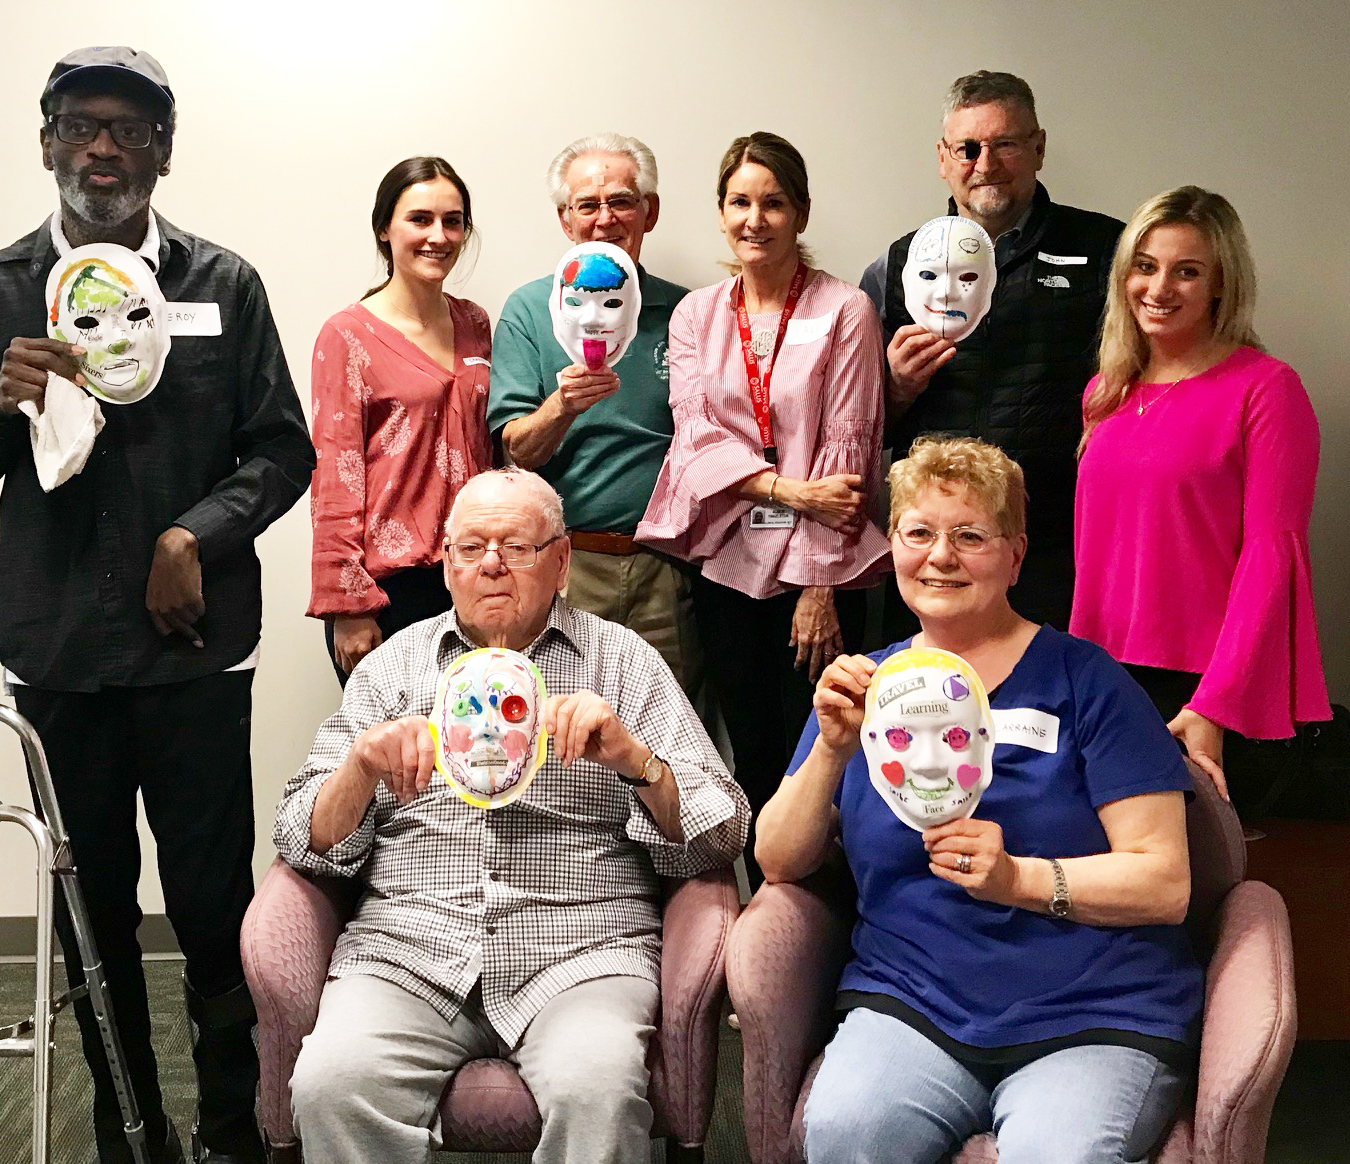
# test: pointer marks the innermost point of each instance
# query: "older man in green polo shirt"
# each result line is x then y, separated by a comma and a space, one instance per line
599, 437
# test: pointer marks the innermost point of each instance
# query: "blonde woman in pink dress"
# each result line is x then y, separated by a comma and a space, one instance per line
400, 385
776, 388
1195, 489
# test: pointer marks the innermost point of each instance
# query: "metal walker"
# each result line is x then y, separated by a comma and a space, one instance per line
34, 1037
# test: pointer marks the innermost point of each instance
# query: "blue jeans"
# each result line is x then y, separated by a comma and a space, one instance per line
885, 1094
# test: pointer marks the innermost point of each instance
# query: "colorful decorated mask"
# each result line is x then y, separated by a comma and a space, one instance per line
949, 276
486, 725
928, 736
595, 304
105, 299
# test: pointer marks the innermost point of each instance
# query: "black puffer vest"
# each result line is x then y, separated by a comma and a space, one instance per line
1018, 379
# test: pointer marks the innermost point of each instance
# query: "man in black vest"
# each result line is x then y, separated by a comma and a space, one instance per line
1018, 379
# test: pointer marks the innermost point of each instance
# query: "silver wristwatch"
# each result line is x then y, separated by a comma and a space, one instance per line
1060, 905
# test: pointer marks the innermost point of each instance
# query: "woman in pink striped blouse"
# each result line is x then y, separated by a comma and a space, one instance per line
776, 387
400, 385
1195, 490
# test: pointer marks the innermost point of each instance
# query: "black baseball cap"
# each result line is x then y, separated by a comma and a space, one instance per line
117, 63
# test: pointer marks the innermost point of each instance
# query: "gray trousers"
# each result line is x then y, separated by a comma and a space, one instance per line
369, 1079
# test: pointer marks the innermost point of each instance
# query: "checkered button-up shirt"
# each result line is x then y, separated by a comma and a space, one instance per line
559, 887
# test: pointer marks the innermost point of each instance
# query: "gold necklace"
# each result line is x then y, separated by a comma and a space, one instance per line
1143, 407
423, 323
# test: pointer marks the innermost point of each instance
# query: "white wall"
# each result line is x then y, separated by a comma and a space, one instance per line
290, 113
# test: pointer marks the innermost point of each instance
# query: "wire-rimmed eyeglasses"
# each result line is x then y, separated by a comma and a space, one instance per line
514, 555
967, 540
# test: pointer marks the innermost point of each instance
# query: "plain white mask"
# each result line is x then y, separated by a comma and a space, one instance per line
949, 276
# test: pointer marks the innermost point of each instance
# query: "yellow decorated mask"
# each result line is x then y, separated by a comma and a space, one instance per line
105, 299
928, 736
486, 723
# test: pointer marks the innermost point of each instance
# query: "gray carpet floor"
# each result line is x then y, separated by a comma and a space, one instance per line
1311, 1123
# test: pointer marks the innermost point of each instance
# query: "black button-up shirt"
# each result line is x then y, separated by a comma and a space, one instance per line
220, 448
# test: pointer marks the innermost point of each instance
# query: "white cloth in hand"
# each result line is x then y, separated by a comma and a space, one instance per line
63, 432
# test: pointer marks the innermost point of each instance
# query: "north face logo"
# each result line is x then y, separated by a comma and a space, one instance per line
1053, 281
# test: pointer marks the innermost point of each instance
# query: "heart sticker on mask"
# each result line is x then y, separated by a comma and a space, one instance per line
931, 706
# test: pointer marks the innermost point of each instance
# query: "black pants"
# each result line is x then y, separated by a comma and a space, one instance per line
1250, 767
765, 700
414, 594
185, 746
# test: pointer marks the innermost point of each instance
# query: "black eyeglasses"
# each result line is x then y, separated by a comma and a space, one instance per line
128, 133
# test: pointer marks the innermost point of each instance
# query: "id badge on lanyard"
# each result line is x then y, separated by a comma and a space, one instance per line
772, 515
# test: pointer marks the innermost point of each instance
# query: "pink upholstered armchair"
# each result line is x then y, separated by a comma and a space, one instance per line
789, 947
288, 938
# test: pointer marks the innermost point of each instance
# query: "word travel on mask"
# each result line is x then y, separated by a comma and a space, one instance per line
595, 304
928, 736
105, 299
949, 276
486, 726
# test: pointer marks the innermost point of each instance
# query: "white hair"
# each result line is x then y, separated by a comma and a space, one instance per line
601, 143
544, 497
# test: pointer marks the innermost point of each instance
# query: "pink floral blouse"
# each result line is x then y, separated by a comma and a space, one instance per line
396, 435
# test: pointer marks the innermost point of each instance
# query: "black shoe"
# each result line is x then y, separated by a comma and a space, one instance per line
170, 1152
249, 1153
221, 1028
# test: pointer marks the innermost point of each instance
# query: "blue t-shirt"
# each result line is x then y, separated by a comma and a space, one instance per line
992, 975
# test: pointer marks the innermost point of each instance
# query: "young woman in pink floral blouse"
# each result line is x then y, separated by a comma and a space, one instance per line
400, 384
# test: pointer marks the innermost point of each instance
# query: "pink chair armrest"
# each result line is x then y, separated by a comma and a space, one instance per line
1249, 1027
696, 923
286, 943
784, 959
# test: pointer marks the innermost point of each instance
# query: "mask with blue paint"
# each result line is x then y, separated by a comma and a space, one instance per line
486, 726
949, 276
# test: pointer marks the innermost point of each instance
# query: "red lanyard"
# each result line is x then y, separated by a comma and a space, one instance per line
759, 386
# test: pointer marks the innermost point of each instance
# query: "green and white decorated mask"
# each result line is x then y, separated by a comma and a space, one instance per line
105, 299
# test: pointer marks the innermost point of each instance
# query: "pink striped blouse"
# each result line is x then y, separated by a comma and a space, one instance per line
827, 410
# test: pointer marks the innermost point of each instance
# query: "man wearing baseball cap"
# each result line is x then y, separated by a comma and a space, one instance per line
131, 610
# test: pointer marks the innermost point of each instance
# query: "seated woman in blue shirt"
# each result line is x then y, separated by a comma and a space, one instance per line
1023, 971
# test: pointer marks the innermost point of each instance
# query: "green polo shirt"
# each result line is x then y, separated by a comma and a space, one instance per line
606, 467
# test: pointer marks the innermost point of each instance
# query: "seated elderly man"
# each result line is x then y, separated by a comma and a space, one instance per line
530, 932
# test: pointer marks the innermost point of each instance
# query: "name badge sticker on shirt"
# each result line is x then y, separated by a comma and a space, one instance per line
1063, 260
773, 516
807, 331
193, 318
1028, 728
469, 361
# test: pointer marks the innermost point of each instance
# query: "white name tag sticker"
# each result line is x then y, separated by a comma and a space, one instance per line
1028, 728
1063, 260
192, 318
470, 361
773, 516
807, 331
